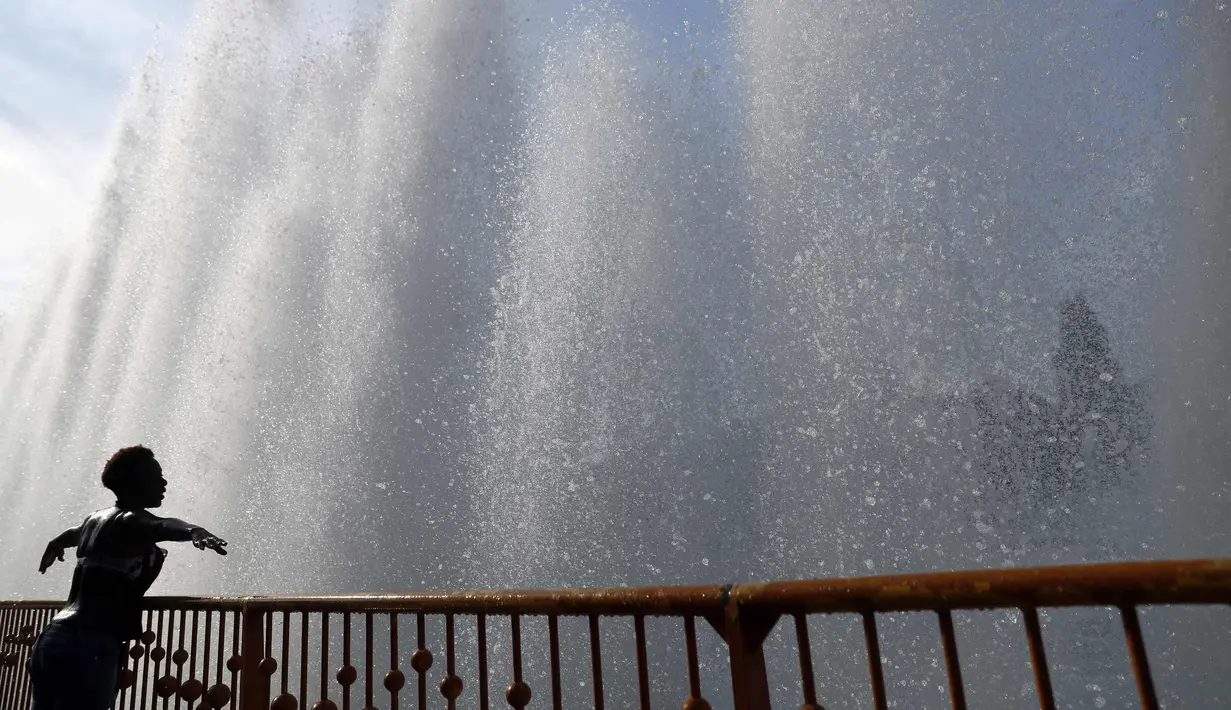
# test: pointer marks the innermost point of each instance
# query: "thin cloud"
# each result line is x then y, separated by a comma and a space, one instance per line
64, 67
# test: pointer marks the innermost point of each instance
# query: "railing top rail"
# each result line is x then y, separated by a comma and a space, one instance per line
1204, 581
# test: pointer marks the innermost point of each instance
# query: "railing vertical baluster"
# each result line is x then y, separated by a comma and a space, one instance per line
147, 639
451, 685
192, 655
553, 639
805, 662
367, 657
13, 686
206, 648
207, 655
346, 676
7, 671
219, 662
286, 642
156, 655
695, 698
20, 680
419, 662
1137, 653
874, 660
303, 660
269, 664
192, 661
1038, 658
32, 622
596, 662
236, 662
481, 621
518, 693
395, 680
10, 672
14, 673
254, 688
643, 671
957, 691
29, 618
39, 620
745, 634
324, 656
19, 676
216, 691
13, 689
178, 658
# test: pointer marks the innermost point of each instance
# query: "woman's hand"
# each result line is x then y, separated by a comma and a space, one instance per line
54, 552
203, 539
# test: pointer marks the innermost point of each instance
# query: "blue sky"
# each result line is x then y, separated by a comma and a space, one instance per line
64, 68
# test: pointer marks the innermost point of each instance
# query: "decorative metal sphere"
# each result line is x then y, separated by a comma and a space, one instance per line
395, 680
347, 675
451, 687
421, 660
218, 695
166, 686
192, 689
517, 695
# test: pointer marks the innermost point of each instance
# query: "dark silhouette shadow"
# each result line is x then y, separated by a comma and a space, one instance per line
76, 660
1089, 437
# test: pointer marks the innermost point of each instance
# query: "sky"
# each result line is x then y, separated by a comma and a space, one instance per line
65, 66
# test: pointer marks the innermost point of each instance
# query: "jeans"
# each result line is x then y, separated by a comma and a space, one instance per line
74, 668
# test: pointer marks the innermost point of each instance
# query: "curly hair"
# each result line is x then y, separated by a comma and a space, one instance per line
124, 465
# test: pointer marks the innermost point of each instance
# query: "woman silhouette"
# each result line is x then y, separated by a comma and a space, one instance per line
76, 660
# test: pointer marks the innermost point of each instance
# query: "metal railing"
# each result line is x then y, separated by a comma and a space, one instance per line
221, 644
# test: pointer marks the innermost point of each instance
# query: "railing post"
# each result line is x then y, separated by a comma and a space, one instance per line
745, 633
254, 685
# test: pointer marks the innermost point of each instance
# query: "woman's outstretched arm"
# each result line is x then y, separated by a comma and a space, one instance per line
57, 546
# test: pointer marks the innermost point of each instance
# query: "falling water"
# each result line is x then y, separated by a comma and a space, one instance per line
518, 294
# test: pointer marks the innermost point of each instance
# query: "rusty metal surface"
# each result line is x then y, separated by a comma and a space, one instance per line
652, 601
742, 615
1038, 659
1115, 584
1137, 654
953, 665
